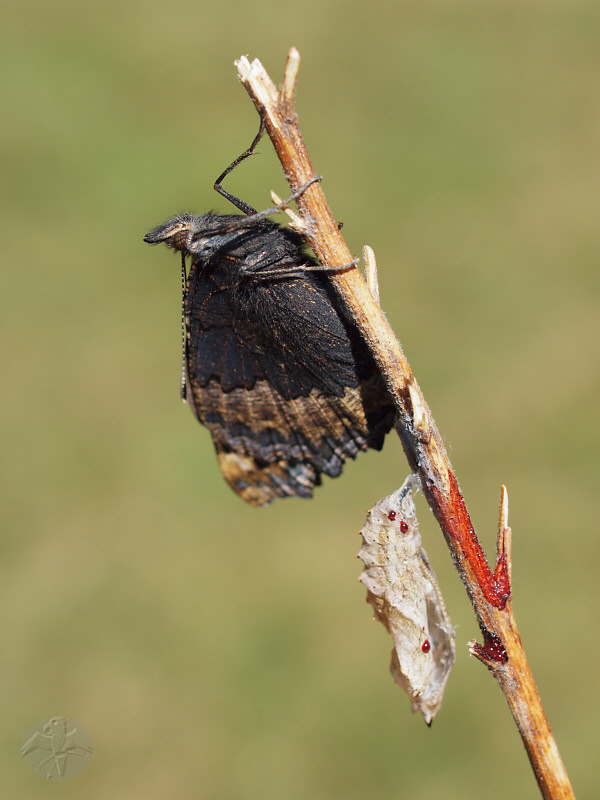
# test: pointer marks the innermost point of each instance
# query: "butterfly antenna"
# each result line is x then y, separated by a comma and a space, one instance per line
183, 384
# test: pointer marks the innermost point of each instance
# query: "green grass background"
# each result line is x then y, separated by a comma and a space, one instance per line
210, 649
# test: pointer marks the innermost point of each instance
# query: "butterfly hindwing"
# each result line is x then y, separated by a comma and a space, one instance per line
275, 368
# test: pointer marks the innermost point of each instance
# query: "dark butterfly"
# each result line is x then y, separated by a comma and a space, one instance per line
274, 366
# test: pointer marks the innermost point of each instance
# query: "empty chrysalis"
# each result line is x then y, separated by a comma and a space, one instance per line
403, 591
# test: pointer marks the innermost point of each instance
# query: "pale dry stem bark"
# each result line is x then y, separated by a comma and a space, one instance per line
501, 651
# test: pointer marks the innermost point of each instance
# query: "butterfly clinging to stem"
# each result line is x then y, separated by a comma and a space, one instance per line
273, 364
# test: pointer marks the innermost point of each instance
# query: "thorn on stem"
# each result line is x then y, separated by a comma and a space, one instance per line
419, 413
296, 223
288, 87
502, 572
371, 272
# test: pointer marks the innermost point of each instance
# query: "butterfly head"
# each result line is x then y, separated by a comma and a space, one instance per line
176, 233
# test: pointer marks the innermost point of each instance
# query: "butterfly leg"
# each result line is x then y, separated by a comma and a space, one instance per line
298, 270
243, 206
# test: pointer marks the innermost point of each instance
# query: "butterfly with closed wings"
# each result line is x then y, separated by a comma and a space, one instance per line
274, 366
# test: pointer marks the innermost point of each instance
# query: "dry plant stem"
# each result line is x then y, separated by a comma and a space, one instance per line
501, 651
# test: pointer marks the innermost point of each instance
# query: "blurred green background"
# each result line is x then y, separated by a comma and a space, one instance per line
213, 650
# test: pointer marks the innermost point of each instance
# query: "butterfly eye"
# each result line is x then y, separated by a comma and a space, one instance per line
180, 239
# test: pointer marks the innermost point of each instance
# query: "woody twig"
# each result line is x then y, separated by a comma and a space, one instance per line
489, 591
